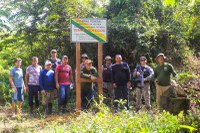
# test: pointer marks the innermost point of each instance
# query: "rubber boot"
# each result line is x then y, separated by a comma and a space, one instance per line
50, 108
59, 110
44, 109
64, 108
31, 111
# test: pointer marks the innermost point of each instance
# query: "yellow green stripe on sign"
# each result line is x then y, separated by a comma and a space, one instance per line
89, 30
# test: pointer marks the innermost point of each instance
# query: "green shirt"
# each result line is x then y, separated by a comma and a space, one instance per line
162, 74
87, 75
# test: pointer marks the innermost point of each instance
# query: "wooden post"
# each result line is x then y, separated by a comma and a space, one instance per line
79, 80
78, 83
100, 59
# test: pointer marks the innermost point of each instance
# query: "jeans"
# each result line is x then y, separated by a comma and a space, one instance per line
18, 95
63, 94
125, 95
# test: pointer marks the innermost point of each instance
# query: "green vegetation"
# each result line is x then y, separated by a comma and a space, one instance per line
135, 27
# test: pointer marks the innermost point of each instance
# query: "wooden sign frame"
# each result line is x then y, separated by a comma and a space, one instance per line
80, 80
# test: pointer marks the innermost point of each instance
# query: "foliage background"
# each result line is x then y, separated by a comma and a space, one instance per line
135, 27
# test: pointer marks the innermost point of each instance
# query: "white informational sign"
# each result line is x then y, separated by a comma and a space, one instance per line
89, 30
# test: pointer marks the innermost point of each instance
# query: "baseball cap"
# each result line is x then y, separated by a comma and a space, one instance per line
161, 54
84, 56
108, 58
143, 58
53, 51
64, 56
47, 62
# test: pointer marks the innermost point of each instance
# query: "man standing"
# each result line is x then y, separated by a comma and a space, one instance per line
32, 83
63, 78
107, 81
162, 76
54, 60
121, 80
87, 94
143, 75
83, 58
17, 83
47, 85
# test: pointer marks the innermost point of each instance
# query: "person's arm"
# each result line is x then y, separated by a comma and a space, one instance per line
173, 71
128, 77
12, 83
151, 73
56, 77
24, 87
27, 78
71, 77
85, 75
41, 81
128, 73
95, 73
135, 73
112, 77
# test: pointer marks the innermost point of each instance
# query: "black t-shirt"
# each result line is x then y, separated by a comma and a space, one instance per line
55, 63
107, 71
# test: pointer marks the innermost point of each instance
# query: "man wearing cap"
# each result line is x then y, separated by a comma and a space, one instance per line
87, 95
54, 60
162, 76
63, 78
83, 58
47, 85
107, 81
32, 83
143, 75
121, 80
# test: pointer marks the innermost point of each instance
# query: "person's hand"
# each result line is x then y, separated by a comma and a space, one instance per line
71, 86
138, 74
156, 81
93, 78
14, 88
43, 92
129, 84
57, 86
114, 85
27, 89
174, 83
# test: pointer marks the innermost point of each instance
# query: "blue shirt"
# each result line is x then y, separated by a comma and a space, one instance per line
47, 80
17, 75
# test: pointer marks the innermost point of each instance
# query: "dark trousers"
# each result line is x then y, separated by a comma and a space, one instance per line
63, 94
87, 96
121, 90
33, 92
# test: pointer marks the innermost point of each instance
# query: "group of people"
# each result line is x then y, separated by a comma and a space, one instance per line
57, 78
117, 80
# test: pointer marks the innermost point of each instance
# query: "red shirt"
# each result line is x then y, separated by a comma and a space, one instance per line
63, 72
